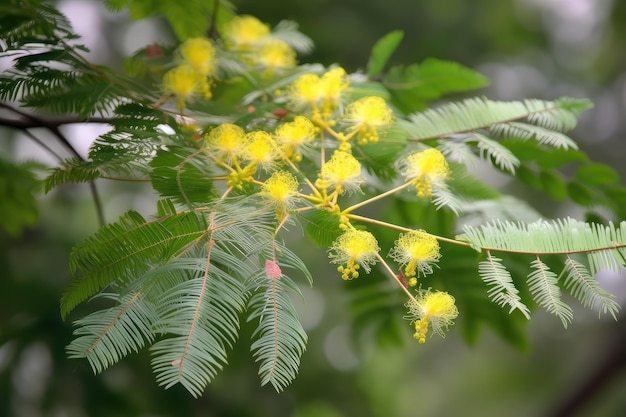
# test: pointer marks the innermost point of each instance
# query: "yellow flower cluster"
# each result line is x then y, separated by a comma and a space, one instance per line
342, 173
294, 137
322, 94
197, 56
253, 38
367, 116
416, 250
436, 309
352, 250
424, 169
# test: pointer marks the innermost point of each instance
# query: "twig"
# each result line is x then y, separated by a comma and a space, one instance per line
29, 121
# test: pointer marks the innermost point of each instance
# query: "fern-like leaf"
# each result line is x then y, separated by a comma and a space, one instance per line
202, 314
475, 114
542, 283
106, 336
280, 338
502, 290
529, 132
501, 155
126, 249
584, 288
563, 236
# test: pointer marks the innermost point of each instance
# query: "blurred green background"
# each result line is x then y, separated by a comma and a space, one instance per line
528, 48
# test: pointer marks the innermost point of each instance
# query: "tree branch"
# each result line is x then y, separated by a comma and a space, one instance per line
29, 121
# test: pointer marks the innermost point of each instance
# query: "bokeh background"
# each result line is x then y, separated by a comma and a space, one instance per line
528, 48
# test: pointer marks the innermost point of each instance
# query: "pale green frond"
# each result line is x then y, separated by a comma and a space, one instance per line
562, 117
584, 288
542, 283
525, 131
125, 249
479, 113
280, 339
501, 155
287, 31
106, 336
502, 290
442, 196
200, 321
459, 152
561, 236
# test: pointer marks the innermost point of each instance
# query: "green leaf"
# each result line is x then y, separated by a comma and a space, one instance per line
279, 337
542, 283
503, 291
183, 175
543, 120
382, 51
529, 177
106, 336
584, 288
379, 158
126, 248
501, 155
202, 314
580, 194
414, 86
322, 226
596, 174
553, 185
18, 206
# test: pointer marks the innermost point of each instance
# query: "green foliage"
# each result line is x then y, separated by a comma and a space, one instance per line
602, 246
18, 205
414, 86
246, 144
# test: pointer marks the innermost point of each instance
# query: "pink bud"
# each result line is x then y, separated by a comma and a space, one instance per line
272, 270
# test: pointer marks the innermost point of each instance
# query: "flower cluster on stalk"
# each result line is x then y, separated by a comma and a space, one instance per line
306, 154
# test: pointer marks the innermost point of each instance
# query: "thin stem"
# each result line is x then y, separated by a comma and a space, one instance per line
54, 129
394, 276
376, 198
407, 229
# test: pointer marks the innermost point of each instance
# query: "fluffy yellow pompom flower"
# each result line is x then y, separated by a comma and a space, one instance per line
199, 53
323, 93
352, 250
183, 81
280, 188
228, 140
244, 31
342, 172
424, 169
417, 250
434, 308
260, 149
276, 54
368, 115
294, 136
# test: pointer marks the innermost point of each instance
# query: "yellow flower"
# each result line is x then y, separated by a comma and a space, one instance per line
280, 188
260, 149
352, 250
228, 140
294, 136
342, 172
434, 308
183, 81
417, 250
244, 31
368, 115
199, 53
323, 94
276, 54
424, 169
